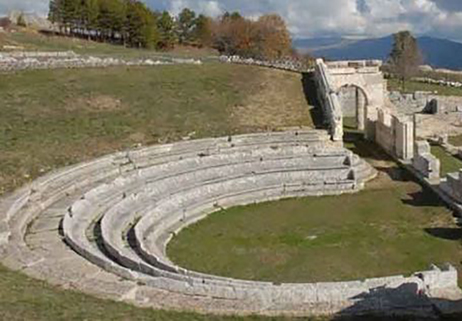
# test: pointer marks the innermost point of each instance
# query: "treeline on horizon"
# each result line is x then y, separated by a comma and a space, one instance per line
132, 23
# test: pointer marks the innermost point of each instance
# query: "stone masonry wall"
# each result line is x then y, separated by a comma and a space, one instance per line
283, 64
332, 110
426, 102
395, 135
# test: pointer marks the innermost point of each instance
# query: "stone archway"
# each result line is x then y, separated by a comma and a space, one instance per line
354, 101
363, 74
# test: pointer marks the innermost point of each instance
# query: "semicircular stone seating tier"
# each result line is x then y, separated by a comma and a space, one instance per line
103, 226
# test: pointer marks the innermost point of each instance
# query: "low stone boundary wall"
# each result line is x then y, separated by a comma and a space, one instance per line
284, 64
445, 83
425, 102
54, 60
38, 54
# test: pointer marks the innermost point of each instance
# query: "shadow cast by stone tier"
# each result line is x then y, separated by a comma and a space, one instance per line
310, 91
405, 303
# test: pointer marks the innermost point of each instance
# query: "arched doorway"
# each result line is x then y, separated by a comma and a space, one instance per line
354, 102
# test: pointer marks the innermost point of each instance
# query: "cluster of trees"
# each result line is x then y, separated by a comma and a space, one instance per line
129, 22
267, 37
132, 23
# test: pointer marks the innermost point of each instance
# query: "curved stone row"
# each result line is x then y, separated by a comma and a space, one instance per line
165, 185
119, 212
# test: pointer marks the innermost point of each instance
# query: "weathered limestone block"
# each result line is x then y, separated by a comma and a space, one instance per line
424, 162
395, 135
454, 185
437, 278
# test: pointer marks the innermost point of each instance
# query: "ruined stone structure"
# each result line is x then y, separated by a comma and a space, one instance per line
453, 185
365, 77
154, 192
285, 64
425, 102
103, 226
424, 162
395, 135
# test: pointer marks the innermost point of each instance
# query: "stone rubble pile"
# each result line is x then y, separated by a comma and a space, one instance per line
446, 83
54, 60
285, 64
426, 102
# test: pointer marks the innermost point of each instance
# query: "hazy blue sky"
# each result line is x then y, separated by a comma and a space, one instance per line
311, 18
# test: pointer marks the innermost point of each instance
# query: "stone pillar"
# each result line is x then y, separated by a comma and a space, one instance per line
360, 110
404, 138
337, 130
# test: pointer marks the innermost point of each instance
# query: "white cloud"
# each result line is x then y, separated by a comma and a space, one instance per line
309, 18
37, 6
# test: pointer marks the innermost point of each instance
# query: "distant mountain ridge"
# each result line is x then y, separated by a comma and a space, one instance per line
440, 53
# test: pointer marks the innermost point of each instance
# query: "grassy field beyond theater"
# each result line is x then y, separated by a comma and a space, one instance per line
393, 227
31, 40
455, 140
449, 163
413, 86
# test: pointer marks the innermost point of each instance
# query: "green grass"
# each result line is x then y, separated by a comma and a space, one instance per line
52, 118
371, 234
449, 163
350, 124
23, 298
455, 140
393, 227
412, 86
32, 40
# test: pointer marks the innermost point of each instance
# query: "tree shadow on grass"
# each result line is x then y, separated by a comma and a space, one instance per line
311, 96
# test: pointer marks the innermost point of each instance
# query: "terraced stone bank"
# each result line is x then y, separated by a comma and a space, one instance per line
102, 227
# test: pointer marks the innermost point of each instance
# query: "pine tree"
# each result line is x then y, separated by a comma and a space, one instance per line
141, 26
90, 16
405, 57
186, 24
166, 27
21, 21
203, 30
